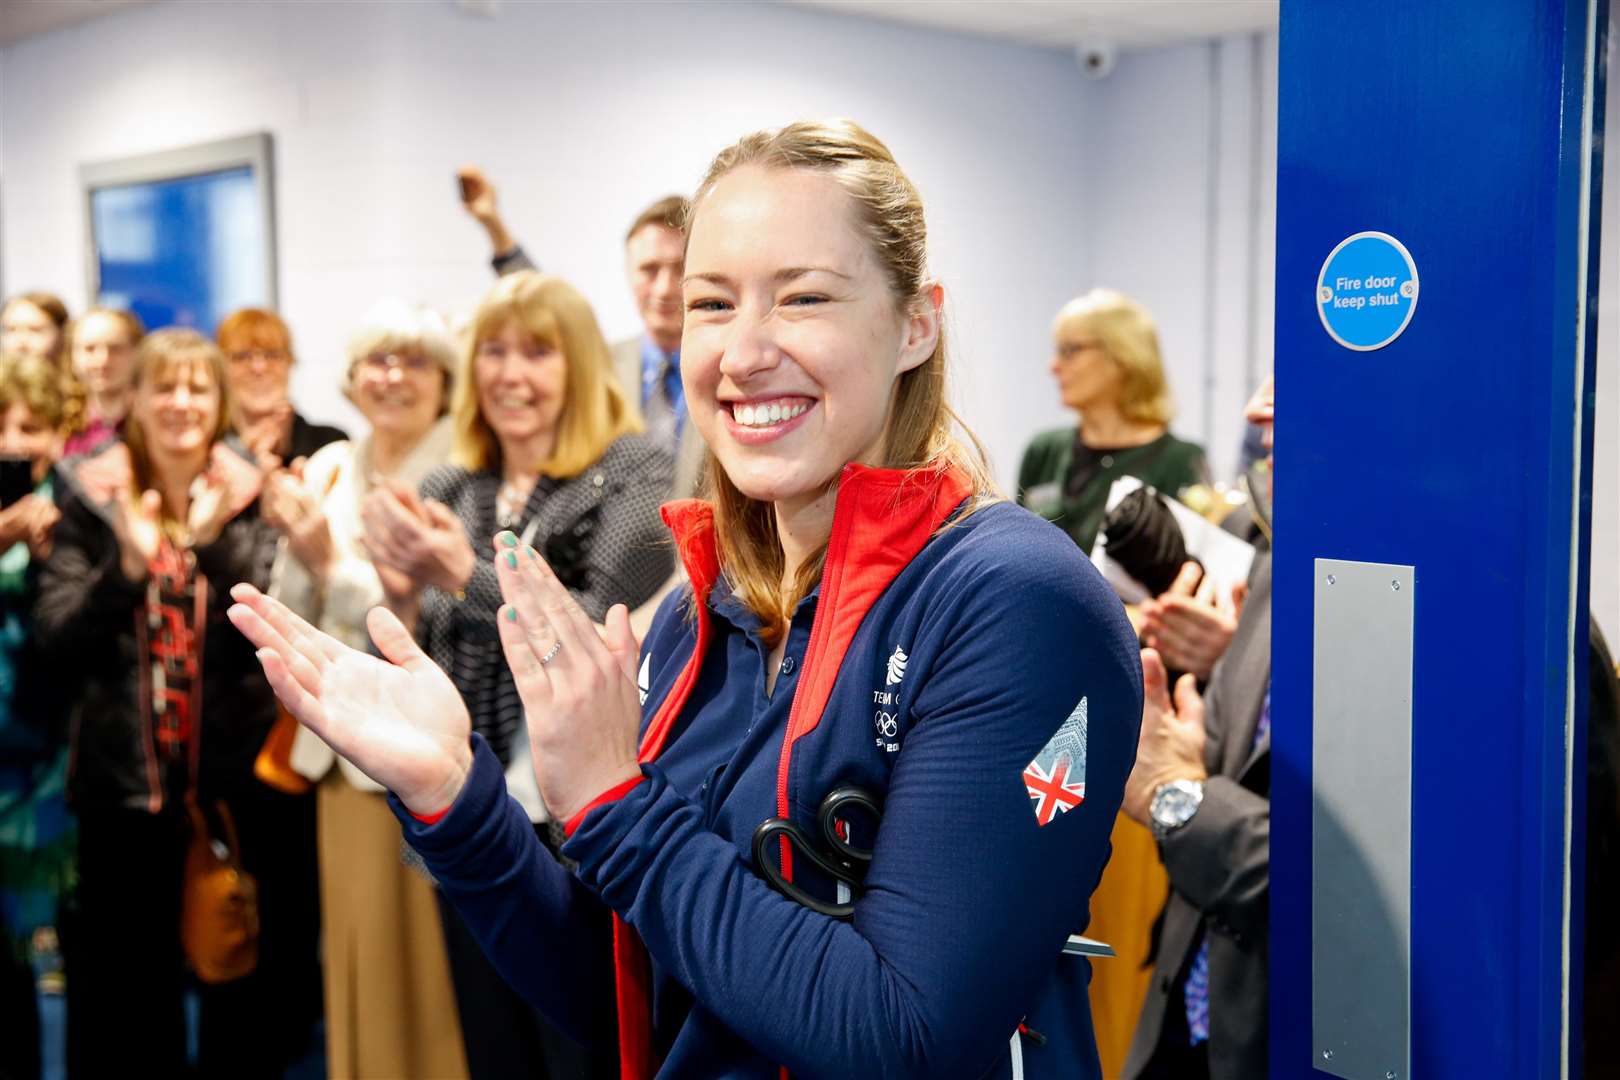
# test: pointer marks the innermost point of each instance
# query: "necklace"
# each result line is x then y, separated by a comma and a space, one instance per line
510, 499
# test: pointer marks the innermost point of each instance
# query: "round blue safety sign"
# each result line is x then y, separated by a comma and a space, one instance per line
1367, 291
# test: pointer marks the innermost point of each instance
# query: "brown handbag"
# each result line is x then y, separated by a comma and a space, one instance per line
219, 905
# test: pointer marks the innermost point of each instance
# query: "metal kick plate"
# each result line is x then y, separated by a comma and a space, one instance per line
1361, 820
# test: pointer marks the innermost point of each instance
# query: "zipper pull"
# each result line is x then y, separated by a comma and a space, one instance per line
1031, 1034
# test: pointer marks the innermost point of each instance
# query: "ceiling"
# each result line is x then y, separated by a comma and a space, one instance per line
1129, 24
25, 18
1056, 23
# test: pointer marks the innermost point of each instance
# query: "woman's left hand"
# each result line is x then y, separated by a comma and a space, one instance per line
423, 539
578, 686
293, 511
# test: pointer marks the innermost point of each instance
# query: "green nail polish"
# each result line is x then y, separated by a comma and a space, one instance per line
511, 614
508, 538
511, 559
534, 556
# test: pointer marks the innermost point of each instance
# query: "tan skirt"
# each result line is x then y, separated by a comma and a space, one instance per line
390, 1008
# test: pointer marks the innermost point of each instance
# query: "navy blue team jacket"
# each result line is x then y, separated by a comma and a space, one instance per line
957, 672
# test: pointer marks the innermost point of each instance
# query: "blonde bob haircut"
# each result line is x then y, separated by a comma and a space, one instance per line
1128, 335
177, 351
921, 431
553, 314
398, 328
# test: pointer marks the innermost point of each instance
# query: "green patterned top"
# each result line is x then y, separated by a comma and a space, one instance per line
1046, 486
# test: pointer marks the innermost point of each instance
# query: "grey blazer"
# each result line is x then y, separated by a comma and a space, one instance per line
689, 453
1220, 864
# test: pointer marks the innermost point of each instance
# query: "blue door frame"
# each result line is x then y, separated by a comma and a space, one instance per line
1463, 449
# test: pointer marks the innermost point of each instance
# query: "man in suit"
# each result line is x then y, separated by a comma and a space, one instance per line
648, 366
1202, 784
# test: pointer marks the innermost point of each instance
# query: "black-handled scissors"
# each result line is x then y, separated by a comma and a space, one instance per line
838, 856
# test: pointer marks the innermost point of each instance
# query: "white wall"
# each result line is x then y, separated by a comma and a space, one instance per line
583, 114
1182, 185
1158, 180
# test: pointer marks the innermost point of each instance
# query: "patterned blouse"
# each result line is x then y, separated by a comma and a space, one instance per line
599, 531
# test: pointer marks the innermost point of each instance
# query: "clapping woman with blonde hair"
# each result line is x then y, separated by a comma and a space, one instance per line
840, 811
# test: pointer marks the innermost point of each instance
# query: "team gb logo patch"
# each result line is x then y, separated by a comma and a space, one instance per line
1056, 778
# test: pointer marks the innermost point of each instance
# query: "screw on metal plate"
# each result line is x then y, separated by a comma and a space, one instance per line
1389, 1074
1396, 584
1332, 580
1327, 1055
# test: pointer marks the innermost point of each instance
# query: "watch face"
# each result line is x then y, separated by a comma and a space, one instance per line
1174, 804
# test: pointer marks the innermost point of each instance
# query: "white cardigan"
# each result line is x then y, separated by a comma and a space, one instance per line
338, 476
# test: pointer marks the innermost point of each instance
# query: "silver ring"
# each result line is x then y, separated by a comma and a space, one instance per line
551, 653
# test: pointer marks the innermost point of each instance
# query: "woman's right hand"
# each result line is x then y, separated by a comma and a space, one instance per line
138, 524
400, 720
478, 197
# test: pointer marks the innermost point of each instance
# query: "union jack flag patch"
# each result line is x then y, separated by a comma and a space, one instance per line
1056, 778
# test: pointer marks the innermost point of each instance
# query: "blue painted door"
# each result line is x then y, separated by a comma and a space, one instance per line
1462, 448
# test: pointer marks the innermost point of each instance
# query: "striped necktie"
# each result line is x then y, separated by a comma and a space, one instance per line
659, 411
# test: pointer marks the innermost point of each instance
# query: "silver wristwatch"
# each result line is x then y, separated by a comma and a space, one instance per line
1173, 806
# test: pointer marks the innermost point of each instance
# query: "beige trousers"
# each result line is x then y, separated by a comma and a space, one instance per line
390, 1008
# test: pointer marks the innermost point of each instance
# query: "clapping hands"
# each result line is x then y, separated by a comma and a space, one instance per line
292, 509
418, 538
399, 719
402, 722
1191, 623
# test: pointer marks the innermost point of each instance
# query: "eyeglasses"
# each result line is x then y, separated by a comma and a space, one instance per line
1071, 349
268, 357
409, 363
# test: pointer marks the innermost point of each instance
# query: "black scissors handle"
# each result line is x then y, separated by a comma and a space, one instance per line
774, 828
835, 812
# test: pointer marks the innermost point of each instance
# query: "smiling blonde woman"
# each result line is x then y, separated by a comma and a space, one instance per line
545, 447
783, 857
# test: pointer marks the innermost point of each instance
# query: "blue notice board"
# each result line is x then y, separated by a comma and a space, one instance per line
182, 251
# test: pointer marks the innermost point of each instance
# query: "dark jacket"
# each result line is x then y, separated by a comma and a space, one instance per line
88, 619
1220, 864
936, 668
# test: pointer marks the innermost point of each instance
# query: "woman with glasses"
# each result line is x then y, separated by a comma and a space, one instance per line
1105, 357
547, 448
385, 966
259, 355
